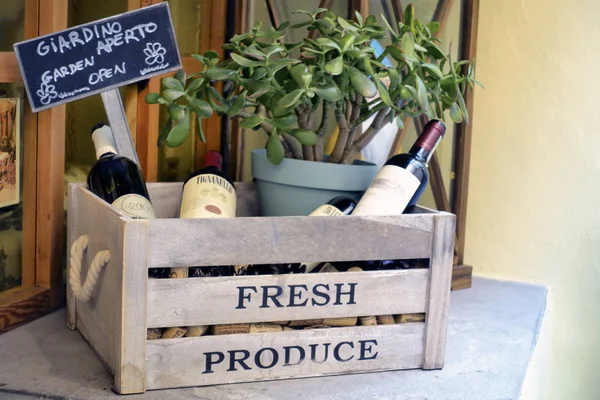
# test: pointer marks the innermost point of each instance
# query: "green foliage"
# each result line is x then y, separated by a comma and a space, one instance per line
271, 83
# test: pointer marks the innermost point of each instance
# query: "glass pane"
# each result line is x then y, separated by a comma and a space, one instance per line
186, 21
11, 178
12, 17
83, 114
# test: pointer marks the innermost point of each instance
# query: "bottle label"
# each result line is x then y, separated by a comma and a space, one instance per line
135, 206
389, 193
208, 196
326, 210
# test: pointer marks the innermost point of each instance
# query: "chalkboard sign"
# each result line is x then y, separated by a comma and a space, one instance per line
98, 56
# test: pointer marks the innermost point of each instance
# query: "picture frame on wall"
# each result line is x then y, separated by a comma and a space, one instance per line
10, 152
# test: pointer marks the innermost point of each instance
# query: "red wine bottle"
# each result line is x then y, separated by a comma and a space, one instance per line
339, 205
117, 179
403, 178
209, 193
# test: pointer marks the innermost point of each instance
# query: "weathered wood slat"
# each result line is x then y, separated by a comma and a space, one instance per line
188, 361
439, 291
258, 240
130, 376
227, 300
99, 320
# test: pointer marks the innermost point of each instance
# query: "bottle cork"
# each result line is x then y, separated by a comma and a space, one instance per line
172, 333
287, 328
229, 329
368, 320
355, 269
178, 273
385, 320
153, 333
327, 267
342, 321
406, 318
264, 328
199, 330
307, 322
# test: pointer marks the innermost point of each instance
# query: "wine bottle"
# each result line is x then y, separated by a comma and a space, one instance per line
117, 179
339, 205
209, 193
403, 178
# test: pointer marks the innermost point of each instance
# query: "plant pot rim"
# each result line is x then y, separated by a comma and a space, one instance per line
312, 174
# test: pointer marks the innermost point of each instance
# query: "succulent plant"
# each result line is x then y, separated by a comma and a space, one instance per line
292, 90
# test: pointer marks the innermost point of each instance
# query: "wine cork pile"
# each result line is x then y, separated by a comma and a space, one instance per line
279, 326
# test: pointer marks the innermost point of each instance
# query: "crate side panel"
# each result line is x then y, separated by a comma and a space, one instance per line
225, 300
99, 319
294, 354
261, 240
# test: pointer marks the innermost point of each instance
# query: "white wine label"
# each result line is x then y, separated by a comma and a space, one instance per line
326, 210
208, 196
135, 206
389, 193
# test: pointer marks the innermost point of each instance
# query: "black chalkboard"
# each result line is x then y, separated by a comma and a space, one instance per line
98, 56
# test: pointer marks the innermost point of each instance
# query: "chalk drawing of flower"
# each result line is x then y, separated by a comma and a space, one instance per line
155, 53
46, 93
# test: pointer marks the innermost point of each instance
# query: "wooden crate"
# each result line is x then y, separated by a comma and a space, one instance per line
124, 302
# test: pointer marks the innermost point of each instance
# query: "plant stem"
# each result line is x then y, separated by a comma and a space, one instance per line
340, 143
363, 140
368, 115
294, 145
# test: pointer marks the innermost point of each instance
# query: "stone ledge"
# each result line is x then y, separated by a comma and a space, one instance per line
493, 328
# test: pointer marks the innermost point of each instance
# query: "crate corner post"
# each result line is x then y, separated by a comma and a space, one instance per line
438, 297
130, 374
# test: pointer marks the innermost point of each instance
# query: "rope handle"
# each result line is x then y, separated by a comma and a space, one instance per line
84, 292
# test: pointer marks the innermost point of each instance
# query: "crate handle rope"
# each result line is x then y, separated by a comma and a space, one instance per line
84, 292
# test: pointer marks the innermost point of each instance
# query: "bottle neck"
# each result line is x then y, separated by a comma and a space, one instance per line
103, 142
213, 159
428, 140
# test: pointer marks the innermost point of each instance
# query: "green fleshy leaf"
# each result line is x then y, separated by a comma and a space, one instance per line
323, 41
384, 94
455, 113
409, 15
245, 62
330, 93
359, 18
297, 72
305, 137
433, 69
219, 74
237, 105
400, 122
395, 52
335, 66
171, 83
361, 83
201, 58
252, 122
180, 131
275, 150
422, 95
176, 112
389, 27
347, 25
434, 51
433, 27
152, 98
200, 107
180, 76
407, 45
463, 107
196, 83
286, 121
171, 95
347, 41
201, 131
291, 98
164, 132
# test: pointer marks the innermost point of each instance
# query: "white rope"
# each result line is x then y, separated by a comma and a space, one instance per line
83, 293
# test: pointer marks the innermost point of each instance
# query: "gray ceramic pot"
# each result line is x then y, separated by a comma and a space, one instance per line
297, 187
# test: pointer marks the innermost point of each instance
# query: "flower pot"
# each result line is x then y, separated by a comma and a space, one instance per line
297, 187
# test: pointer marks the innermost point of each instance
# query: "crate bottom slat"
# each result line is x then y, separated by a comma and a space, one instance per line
214, 360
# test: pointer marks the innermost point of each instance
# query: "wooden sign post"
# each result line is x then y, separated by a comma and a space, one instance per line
99, 57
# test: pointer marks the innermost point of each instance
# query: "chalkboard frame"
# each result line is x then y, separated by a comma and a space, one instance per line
82, 95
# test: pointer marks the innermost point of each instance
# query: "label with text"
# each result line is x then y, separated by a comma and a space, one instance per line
326, 210
278, 296
208, 196
389, 193
135, 206
98, 56
340, 351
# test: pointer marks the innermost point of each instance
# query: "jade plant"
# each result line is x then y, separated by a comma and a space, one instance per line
292, 90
